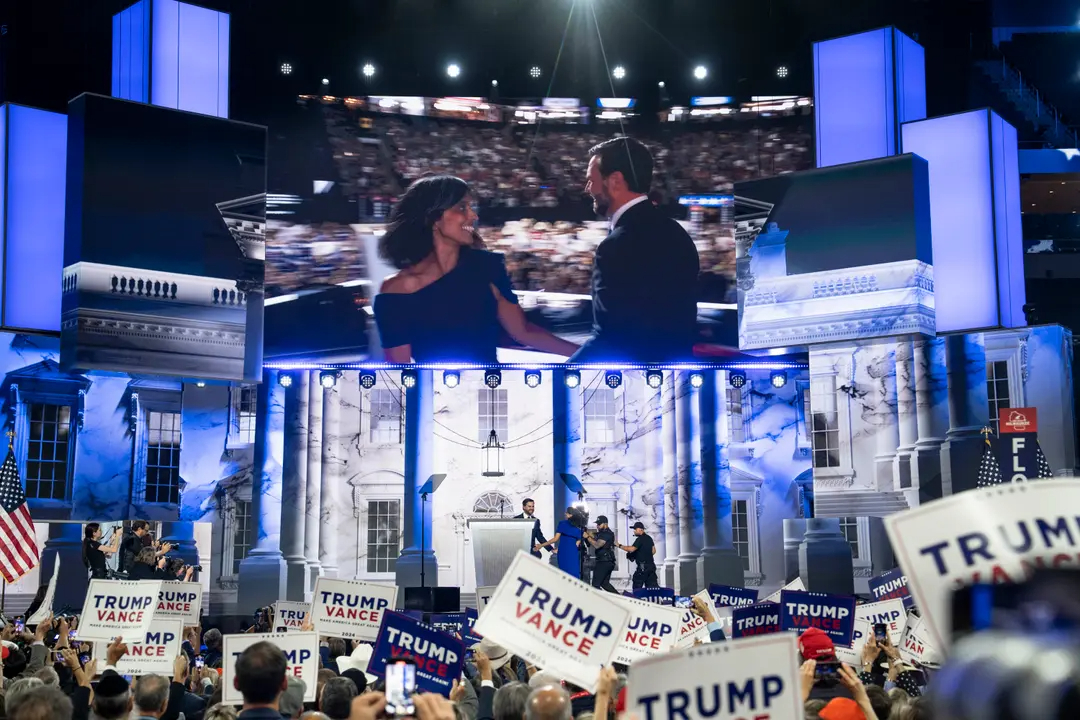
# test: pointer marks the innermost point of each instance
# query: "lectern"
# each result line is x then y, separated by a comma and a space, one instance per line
495, 543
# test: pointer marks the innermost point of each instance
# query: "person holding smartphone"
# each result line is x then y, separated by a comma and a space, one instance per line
816, 645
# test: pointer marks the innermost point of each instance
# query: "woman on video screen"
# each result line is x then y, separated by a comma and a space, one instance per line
451, 297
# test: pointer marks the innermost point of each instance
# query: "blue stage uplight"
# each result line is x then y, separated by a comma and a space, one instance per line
408, 379
493, 378
284, 380
532, 378
328, 378
451, 378
737, 378
613, 379
778, 378
697, 379
573, 379
367, 379
654, 378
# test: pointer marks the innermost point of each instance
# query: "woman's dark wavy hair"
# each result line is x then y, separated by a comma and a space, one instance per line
409, 238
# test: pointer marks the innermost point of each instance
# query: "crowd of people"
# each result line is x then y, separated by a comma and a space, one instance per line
48, 674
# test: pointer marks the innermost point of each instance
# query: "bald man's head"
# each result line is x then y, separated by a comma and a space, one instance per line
548, 703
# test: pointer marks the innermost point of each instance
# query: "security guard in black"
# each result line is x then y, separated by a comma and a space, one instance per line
603, 541
642, 552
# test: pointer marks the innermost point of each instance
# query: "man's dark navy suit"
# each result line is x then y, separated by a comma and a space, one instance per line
644, 291
537, 536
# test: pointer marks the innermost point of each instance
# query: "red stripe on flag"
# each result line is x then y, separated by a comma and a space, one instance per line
13, 541
26, 524
9, 566
25, 540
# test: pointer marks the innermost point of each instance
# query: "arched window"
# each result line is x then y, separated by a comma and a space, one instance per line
493, 503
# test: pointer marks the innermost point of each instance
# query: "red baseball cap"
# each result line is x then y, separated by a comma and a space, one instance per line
841, 709
815, 644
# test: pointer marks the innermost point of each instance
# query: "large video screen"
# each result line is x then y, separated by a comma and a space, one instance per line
164, 248
838, 253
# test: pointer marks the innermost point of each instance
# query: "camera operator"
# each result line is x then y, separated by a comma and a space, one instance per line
176, 569
148, 566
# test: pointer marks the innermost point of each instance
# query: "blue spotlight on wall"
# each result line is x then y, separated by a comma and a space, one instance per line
367, 379
493, 378
451, 378
613, 379
696, 380
654, 378
778, 378
737, 378
532, 378
408, 379
573, 379
284, 380
328, 378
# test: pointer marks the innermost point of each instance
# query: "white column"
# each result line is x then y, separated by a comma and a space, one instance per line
331, 475
906, 412
294, 487
931, 415
313, 500
689, 473
969, 413
668, 448
887, 434
654, 467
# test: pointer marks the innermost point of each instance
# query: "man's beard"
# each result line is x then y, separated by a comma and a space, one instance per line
601, 206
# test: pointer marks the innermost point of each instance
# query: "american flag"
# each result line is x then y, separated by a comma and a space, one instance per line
1044, 467
989, 469
18, 540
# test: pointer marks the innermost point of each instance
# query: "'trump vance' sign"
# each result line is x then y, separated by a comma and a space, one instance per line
181, 600
350, 608
119, 608
760, 619
154, 655
891, 585
652, 629
554, 621
890, 612
728, 596
301, 660
835, 614
439, 657
658, 595
290, 616
754, 679
993, 535
694, 628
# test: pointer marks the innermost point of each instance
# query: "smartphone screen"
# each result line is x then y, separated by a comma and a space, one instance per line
20, 626
684, 602
198, 661
826, 669
400, 687
881, 631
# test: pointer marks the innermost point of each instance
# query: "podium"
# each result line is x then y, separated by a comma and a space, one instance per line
495, 544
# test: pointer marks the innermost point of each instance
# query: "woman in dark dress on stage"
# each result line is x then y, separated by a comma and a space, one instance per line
451, 298
94, 552
567, 539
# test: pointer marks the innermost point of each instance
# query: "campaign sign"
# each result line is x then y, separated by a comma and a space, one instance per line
652, 629
795, 585
290, 616
852, 654
891, 585
119, 608
991, 535
350, 608
749, 679
483, 596
762, 618
181, 600
890, 612
45, 608
469, 636
450, 623
155, 654
657, 595
439, 657
835, 614
301, 660
692, 628
555, 621
728, 596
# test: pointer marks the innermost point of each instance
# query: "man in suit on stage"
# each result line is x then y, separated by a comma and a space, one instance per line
528, 507
645, 273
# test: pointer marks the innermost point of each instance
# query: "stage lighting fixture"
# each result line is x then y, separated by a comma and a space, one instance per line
573, 379
661, 84
534, 72
782, 71
453, 70
284, 380
451, 378
619, 72
654, 378
326, 81
408, 379
737, 378
367, 379
778, 378
286, 69
532, 378
696, 380
701, 72
368, 70
493, 378
494, 83
613, 379
328, 378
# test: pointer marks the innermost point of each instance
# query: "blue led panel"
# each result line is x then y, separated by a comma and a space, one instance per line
190, 58
975, 218
865, 85
35, 180
131, 52
3, 182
